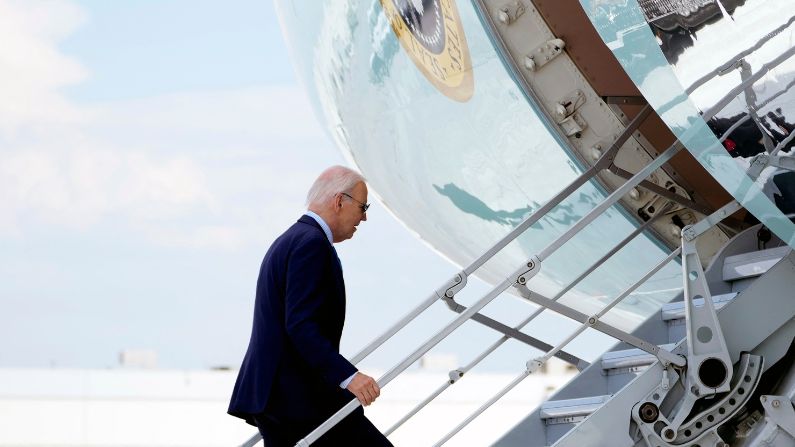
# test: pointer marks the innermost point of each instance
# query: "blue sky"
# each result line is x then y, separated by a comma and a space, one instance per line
160, 47
149, 153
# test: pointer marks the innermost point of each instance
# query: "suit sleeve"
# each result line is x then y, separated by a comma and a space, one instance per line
305, 294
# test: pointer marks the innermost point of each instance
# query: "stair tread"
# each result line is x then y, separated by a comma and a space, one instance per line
755, 263
627, 358
579, 406
675, 311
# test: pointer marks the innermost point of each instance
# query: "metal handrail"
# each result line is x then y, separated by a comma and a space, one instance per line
521, 275
455, 375
782, 144
750, 103
689, 234
732, 61
604, 162
455, 284
459, 281
534, 364
759, 106
778, 60
252, 441
733, 92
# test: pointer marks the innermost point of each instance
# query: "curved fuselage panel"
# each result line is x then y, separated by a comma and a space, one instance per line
427, 110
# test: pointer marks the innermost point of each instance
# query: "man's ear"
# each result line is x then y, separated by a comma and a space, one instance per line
337, 202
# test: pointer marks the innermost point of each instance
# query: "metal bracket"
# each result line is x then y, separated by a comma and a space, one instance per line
691, 232
569, 120
778, 409
544, 53
533, 267
509, 12
709, 363
569, 104
534, 365
515, 334
453, 286
455, 375
664, 356
656, 205
573, 125
596, 150
701, 429
665, 382
709, 366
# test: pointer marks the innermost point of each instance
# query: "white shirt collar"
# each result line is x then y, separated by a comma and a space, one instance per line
322, 224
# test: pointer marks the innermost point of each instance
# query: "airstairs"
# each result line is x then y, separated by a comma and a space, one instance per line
711, 368
685, 377
595, 408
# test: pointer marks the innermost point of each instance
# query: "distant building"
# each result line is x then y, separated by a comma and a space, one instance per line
138, 358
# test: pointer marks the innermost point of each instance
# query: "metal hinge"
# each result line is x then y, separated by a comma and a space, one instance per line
566, 112
544, 53
510, 11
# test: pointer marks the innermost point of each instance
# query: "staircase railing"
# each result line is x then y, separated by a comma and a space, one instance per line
519, 277
450, 288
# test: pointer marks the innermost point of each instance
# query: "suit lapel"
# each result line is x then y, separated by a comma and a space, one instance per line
337, 259
337, 264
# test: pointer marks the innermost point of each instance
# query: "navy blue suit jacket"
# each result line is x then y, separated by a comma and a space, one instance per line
292, 369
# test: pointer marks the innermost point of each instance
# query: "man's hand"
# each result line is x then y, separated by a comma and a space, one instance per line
365, 388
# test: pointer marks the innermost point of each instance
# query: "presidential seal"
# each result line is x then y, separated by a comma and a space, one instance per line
430, 32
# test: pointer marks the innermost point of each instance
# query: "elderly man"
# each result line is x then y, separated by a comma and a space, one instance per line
293, 376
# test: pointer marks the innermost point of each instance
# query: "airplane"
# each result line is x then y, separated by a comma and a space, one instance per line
621, 164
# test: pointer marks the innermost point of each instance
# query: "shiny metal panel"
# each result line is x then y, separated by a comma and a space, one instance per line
706, 65
462, 172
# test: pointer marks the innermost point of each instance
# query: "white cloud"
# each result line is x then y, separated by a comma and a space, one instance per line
279, 112
196, 169
215, 237
31, 67
77, 188
161, 189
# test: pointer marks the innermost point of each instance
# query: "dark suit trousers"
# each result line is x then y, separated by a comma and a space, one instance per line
355, 431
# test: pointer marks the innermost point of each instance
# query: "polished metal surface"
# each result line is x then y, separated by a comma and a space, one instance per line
464, 140
462, 172
719, 73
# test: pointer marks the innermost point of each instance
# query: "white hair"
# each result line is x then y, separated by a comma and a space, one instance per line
330, 182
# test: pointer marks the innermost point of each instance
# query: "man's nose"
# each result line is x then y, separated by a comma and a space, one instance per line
364, 215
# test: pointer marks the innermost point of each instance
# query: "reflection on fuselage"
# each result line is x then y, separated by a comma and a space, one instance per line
676, 24
463, 172
757, 121
743, 137
690, 15
693, 35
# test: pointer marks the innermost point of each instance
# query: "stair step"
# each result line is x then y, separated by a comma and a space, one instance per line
676, 311
752, 264
629, 358
569, 411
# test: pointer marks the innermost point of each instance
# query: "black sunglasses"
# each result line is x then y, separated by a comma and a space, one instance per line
363, 206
